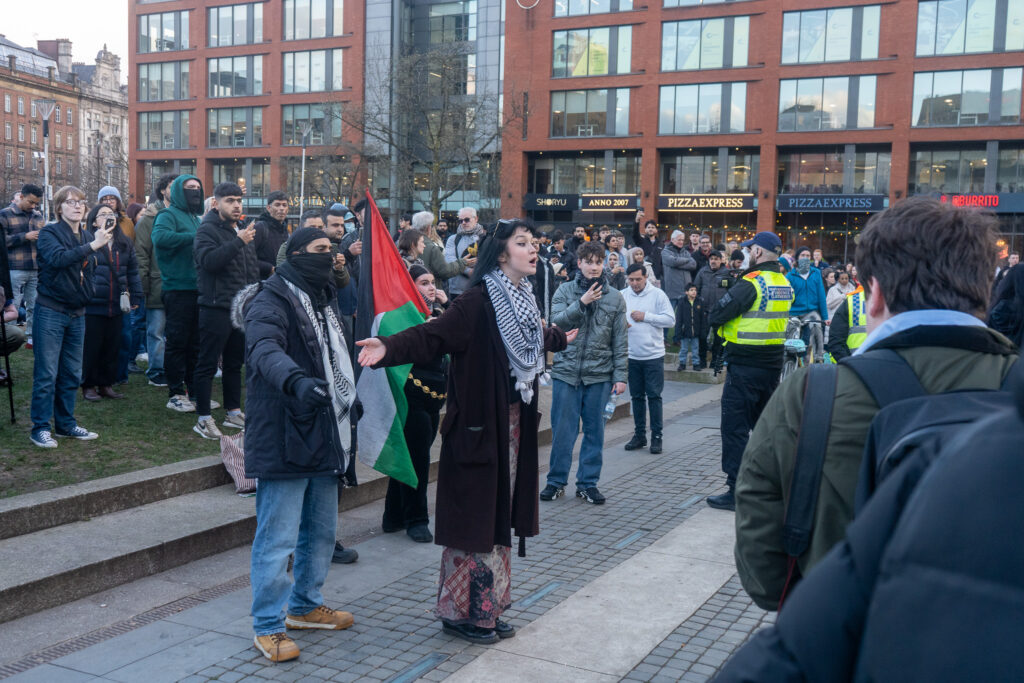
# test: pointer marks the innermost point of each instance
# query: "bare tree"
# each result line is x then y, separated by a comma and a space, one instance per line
445, 128
106, 164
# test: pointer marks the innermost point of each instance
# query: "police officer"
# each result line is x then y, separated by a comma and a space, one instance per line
849, 326
751, 318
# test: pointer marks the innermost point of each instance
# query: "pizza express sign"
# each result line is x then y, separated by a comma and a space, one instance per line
831, 203
709, 203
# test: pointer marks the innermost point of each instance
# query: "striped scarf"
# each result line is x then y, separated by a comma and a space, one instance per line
520, 328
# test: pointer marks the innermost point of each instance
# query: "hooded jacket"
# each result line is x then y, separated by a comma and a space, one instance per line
270, 235
647, 337
224, 263
601, 349
149, 271
174, 232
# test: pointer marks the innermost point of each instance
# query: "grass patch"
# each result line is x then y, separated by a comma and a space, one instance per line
135, 433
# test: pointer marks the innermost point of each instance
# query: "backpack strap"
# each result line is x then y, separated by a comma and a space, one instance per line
812, 439
886, 375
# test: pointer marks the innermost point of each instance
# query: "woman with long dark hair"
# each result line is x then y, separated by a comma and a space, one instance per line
411, 246
497, 343
116, 275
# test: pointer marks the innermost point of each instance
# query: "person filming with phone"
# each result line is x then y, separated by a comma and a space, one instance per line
586, 373
117, 290
67, 261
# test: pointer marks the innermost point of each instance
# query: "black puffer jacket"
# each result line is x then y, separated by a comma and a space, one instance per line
270, 235
224, 263
117, 270
283, 440
928, 584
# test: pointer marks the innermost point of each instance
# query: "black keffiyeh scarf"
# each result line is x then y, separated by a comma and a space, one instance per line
520, 328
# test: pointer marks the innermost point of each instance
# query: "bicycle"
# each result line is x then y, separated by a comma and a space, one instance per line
795, 347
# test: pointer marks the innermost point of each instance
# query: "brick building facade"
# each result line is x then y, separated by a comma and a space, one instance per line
820, 113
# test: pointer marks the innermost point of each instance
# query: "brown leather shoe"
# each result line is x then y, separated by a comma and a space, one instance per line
90, 394
108, 392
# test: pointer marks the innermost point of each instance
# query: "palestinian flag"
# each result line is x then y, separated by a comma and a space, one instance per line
388, 303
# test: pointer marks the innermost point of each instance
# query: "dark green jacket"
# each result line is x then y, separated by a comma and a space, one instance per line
944, 358
600, 351
174, 232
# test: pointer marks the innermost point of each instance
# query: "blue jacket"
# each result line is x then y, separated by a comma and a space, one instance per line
116, 271
66, 265
809, 294
928, 584
283, 440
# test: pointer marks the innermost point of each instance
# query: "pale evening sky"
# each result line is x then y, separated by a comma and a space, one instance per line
88, 25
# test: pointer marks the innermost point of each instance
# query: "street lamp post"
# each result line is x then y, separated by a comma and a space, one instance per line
45, 109
307, 128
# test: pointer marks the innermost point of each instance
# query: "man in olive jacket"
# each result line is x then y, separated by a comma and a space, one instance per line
152, 284
585, 373
932, 316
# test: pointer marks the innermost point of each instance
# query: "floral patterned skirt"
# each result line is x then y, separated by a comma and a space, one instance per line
475, 588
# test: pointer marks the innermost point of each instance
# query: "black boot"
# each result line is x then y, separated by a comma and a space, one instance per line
723, 501
655, 444
637, 442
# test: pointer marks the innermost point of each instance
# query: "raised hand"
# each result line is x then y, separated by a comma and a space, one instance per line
372, 352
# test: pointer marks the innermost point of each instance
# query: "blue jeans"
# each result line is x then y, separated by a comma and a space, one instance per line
138, 330
646, 382
155, 341
58, 342
569, 406
292, 515
691, 346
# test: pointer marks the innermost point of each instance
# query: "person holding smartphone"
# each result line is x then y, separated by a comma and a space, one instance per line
116, 275
67, 260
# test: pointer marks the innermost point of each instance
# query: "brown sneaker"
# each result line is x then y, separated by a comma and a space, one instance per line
277, 647
321, 617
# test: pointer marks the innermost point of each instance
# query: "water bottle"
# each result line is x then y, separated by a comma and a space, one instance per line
609, 407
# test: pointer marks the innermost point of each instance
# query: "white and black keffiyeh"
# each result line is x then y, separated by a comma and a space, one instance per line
337, 364
520, 328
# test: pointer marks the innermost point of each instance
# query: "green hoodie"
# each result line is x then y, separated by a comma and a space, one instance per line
174, 232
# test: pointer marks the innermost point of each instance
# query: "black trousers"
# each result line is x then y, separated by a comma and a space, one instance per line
746, 391
702, 349
717, 349
405, 506
181, 346
219, 339
102, 346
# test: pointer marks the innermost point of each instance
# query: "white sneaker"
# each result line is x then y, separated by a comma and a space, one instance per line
207, 429
142, 358
235, 421
181, 404
219, 374
214, 405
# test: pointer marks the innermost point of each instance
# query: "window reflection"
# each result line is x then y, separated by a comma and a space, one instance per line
829, 103
940, 170
589, 52
689, 109
966, 98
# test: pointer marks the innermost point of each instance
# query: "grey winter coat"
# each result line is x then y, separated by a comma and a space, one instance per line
601, 349
679, 268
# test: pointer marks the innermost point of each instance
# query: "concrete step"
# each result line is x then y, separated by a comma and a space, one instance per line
60, 562
695, 376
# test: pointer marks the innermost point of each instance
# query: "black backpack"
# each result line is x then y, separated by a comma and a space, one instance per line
909, 420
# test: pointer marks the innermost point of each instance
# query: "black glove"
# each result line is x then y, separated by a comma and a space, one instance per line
312, 393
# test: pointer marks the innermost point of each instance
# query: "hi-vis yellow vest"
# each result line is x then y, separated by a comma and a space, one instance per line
857, 306
765, 323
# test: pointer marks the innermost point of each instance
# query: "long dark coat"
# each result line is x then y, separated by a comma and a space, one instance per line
473, 496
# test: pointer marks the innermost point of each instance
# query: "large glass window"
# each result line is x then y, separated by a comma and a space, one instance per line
325, 120
582, 113
694, 3
698, 172
956, 27
585, 172
163, 32
257, 178
703, 108
163, 81
236, 127
967, 98
163, 130
592, 52
453, 22
825, 172
841, 34
572, 8
1010, 176
827, 103
313, 19
313, 71
234, 24
941, 170
235, 76
704, 43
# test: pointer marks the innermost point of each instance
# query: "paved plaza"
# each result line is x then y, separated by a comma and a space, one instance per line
643, 588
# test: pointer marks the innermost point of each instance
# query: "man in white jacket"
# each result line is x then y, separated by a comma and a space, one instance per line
648, 314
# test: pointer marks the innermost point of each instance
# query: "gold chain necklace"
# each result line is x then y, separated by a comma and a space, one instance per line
427, 390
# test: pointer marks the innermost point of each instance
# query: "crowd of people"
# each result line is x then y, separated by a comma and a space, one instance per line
194, 289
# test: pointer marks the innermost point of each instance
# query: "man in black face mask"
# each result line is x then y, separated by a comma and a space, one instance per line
300, 388
174, 232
